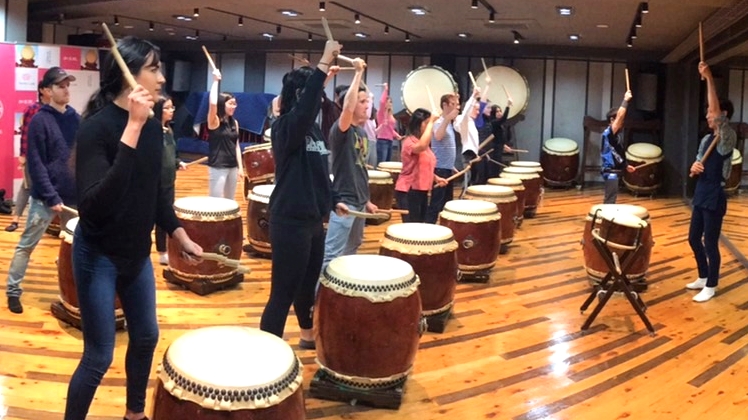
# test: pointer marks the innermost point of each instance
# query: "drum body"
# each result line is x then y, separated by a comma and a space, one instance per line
593, 261
54, 227
736, 173
533, 186
512, 82
216, 225
505, 200
68, 308
432, 252
519, 191
393, 168
256, 376
367, 321
259, 165
647, 179
258, 219
477, 228
381, 189
560, 161
415, 93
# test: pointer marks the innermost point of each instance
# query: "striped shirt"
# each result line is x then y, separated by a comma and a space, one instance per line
446, 148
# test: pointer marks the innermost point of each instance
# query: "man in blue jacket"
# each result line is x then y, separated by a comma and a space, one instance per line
50, 143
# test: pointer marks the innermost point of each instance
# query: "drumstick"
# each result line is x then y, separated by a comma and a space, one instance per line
210, 59
365, 87
228, 262
344, 58
498, 163
508, 96
326, 27
520, 151
467, 168
486, 141
370, 167
392, 211
195, 162
365, 215
121, 62
302, 60
628, 84
472, 79
701, 44
70, 210
347, 68
707, 153
484, 66
644, 165
431, 100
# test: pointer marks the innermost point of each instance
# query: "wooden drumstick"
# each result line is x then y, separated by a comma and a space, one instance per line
707, 153
431, 100
210, 59
346, 68
472, 79
302, 60
520, 151
195, 162
486, 141
344, 58
644, 165
70, 210
326, 27
498, 163
508, 96
365, 215
121, 62
393, 211
467, 167
228, 262
485, 68
628, 84
701, 44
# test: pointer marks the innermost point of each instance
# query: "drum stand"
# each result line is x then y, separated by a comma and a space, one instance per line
202, 286
615, 281
324, 387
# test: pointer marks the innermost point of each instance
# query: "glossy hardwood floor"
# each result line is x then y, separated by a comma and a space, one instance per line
513, 349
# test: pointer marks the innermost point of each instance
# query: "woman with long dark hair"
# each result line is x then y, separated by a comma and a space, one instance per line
302, 197
224, 151
118, 176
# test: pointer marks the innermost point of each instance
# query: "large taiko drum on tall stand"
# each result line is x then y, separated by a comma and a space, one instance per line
258, 219
216, 225
533, 186
594, 262
229, 373
519, 190
736, 173
367, 322
432, 252
477, 228
560, 161
423, 81
259, 164
645, 180
505, 200
393, 168
67, 309
506, 80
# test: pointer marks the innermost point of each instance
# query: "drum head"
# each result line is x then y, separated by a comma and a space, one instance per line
623, 219
638, 211
471, 207
390, 166
206, 205
414, 89
561, 146
513, 183
515, 84
419, 232
644, 152
376, 278
736, 157
71, 225
519, 172
526, 164
378, 174
490, 190
262, 193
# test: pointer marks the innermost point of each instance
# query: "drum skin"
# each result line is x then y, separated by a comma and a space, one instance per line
438, 274
259, 164
415, 94
381, 191
168, 407
514, 83
736, 173
356, 337
560, 167
647, 179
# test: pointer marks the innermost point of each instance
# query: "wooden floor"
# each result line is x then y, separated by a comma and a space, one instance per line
513, 349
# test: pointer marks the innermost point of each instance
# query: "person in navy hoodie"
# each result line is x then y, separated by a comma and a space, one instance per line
50, 141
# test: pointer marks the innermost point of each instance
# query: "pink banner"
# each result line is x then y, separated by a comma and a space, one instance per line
70, 58
7, 118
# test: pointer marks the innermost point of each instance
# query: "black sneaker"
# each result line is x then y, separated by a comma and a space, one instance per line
12, 227
14, 304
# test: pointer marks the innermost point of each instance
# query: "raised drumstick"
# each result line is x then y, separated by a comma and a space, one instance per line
210, 59
326, 27
121, 62
628, 84
472, 79
485, 68
701, 44
302, 60
508, 96
431, 100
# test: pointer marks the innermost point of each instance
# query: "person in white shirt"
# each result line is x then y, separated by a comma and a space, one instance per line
465, 125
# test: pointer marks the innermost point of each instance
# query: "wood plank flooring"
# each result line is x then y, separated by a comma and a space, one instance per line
513, 349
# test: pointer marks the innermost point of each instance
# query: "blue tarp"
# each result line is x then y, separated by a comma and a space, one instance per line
251, 109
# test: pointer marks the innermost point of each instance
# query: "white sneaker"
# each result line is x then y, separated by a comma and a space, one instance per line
163, 259
705, 294
700, 283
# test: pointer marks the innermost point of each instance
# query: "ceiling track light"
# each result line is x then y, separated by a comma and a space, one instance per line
386, 29
116, 20
196, 12
241, 21
629, 42
321, 6
517, 37
492, 17
309, 37
474, 4
356, 19
638, 20
150, 26
644, 6
407, 37
632, 33
197, 34
278, 29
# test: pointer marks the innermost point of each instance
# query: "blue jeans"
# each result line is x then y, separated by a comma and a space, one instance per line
384, 150
344, 235
37, 222
98, 280
439, 196
222, 182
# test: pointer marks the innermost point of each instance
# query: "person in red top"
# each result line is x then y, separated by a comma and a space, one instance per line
22, 197
417, 176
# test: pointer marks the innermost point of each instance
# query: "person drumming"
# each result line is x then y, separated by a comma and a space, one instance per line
497, 118
612, 155
224, 156
118, 175
709, 198
302, 197
444, 145
387, 129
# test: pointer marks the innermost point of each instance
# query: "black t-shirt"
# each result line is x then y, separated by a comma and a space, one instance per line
222, 145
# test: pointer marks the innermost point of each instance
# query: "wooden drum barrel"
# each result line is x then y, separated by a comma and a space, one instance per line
736, 173
381, 189
259, 164
519, 191
533, 187
216, 225
367, 321
560, 161
505, 200
477, 228
229, 373
67, 309
258, 219
647, 179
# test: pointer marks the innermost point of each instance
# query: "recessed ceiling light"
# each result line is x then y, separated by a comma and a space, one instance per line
182, 17
190, 37
603, 26
267, 35
360, 35
418, 10
565, 10
290, 13
463, 35
574, 37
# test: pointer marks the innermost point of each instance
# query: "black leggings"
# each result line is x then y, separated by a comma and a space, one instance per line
297, 260
416, 202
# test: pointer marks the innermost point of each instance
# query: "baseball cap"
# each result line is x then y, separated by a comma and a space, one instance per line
54, 76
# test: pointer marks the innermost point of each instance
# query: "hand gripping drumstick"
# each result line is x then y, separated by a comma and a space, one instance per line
225, 261
70, 210
121, 62
707, 153
210, 59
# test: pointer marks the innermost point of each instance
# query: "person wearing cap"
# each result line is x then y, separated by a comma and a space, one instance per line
50, 141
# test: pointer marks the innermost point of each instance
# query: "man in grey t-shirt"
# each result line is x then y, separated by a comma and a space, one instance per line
348, 147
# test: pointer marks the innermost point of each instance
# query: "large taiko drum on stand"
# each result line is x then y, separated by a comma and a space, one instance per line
645, 180
477, 228
533, 186
67, 309
259, 163
519, 190
425, 81
736, 173
560, 161
216, 225
505, 200
594, 262
512, 82
229, 373
432, 252
258, 219
367, 321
